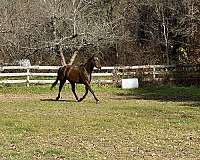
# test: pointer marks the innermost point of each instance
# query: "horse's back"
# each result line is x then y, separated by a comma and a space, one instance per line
73, 74
78, 74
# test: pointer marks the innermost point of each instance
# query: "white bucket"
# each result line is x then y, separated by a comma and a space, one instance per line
130, 83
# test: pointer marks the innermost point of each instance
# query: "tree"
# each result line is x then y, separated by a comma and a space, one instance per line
132, 32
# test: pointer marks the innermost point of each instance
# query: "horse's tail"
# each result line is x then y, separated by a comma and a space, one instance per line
57, 78
54, 84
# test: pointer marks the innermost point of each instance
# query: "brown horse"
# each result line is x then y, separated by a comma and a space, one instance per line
78, 74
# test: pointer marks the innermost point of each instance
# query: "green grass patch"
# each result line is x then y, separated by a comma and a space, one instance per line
126, 124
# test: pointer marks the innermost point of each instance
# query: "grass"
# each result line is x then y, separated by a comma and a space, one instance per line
145, 123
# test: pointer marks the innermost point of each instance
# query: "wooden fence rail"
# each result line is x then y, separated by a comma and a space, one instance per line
27, 75
21, 74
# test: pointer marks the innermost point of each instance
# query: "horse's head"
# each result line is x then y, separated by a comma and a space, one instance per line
91, 63
96, 62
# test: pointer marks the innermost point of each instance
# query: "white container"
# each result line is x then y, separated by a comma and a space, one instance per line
130, 83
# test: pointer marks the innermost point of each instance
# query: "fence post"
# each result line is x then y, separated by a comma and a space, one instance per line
115, 76
28, 77
1, 68
154, 72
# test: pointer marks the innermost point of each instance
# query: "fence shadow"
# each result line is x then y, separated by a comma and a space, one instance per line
163, 94
192, 104
158, 98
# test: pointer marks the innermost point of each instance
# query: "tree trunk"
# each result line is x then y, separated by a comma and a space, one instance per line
165, 34
63, 62
73, 58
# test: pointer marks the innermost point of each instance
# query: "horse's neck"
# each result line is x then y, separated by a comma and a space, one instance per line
89, 67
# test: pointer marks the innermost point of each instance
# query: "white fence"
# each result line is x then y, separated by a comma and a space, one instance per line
27, 75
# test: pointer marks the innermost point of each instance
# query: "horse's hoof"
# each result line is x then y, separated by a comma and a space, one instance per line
97, 101
57, 98
80, 100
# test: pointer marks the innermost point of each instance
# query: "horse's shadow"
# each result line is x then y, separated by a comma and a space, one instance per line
54, 100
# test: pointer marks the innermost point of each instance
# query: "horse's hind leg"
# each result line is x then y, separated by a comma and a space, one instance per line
86, 92
74, 90
60, 88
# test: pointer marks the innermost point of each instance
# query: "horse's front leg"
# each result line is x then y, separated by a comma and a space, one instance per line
86, 92
90, 89
73, 90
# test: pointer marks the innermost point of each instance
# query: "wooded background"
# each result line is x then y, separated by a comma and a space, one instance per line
121, 32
